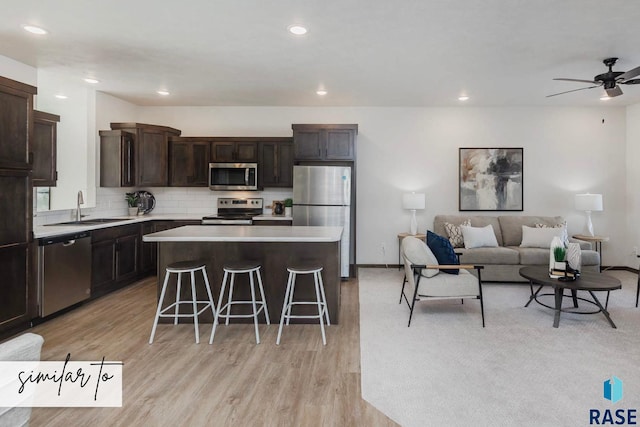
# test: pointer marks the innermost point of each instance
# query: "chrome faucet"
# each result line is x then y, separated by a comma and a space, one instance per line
80, 201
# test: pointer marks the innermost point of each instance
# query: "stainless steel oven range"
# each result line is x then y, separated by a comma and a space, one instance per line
235, 211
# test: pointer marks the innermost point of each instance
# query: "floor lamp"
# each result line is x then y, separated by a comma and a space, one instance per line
413, 201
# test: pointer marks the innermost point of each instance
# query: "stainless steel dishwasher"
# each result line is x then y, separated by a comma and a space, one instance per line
64, 271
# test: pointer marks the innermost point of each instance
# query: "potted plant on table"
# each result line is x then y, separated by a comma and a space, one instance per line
132, 202
559, 253
288, 206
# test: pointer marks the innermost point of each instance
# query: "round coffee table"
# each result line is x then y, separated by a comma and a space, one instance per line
590, 282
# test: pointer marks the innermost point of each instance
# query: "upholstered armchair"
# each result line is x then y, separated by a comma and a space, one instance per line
23, 347
427, 280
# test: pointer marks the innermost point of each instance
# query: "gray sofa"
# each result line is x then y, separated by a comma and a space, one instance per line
503, 263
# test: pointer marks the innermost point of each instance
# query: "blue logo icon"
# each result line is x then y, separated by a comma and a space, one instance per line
613, 389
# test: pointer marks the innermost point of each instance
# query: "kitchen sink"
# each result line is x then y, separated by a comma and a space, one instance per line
91, 221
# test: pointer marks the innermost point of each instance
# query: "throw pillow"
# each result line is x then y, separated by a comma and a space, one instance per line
540, 237
442, 249
563, 225
455, 234
479, 237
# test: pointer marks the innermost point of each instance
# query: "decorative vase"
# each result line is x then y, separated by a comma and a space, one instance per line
574, 256
133, 211
287, 210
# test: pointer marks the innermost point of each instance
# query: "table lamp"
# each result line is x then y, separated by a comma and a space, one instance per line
588, 203
413, 201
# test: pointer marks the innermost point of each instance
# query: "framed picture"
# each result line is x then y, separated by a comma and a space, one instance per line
490, 179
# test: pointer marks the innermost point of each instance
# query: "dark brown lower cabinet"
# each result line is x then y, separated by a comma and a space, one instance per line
14, 303
114, 258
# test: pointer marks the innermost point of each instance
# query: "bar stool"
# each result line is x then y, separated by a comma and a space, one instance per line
320, 302
179, 268
231, 269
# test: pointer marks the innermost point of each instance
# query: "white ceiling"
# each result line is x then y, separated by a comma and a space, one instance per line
363, 52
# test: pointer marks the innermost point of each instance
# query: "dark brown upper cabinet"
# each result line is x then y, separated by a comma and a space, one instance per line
117, 165
17, 289
234, 150
150, 152
45, 135
16, 124
189, 162
325, 142
275, 166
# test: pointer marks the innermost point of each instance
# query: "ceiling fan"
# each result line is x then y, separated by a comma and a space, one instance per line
610, 80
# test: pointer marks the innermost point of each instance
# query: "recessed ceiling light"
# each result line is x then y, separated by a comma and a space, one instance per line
605, 98
298, 30
163, 92
321, 92
60, 96
92, 81
463, 98
34, 30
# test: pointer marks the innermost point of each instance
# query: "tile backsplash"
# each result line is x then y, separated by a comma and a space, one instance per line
169, 200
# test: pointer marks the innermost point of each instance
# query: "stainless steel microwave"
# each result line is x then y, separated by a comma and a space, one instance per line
233, 176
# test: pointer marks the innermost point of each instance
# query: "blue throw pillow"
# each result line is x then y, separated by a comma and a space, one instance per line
442, 249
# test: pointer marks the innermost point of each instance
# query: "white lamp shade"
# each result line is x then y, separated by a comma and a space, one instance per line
413, 201
589, 202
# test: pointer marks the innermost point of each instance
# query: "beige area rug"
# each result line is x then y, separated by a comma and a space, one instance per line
446, 370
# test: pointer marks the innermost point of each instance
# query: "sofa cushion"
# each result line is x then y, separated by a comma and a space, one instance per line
499, 255
479, 237
533, 256
476, 221
540, 237
511, 226
442, 249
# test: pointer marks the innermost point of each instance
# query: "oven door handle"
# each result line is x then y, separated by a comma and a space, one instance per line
246, 176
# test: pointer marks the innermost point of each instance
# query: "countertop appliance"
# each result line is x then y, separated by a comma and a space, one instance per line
235, 211
322, 197
64, 271
233, 176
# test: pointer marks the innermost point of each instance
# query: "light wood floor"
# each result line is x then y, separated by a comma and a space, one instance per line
175, 382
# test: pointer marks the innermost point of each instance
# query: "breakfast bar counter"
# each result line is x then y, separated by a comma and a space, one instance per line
274, 247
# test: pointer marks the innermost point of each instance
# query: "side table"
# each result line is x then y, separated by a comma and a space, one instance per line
402, 236
596, 240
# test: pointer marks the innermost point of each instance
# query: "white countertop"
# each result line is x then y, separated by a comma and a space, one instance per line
57, 230
246, 233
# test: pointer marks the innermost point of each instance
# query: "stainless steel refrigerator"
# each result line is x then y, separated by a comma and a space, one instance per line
322, 197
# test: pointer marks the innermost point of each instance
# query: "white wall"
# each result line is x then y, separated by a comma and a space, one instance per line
566, 151
18, 71
633, 183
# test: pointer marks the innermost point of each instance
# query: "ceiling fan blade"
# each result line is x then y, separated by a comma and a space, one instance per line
616, 91
577, 80
629, 74
631, 82
574, 90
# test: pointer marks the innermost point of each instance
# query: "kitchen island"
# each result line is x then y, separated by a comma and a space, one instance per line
274, 247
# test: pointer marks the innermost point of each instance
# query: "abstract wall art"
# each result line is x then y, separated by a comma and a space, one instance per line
490, 179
